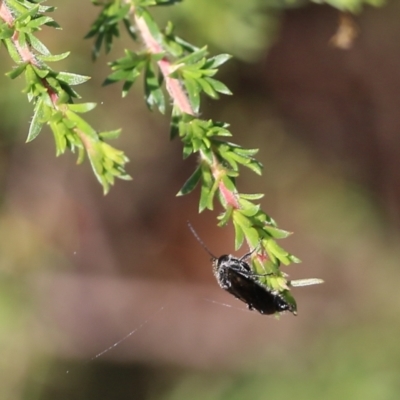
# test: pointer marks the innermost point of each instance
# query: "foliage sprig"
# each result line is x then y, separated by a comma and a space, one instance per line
52, 93
186, 72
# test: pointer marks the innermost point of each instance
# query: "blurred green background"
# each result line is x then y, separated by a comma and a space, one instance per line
79, 271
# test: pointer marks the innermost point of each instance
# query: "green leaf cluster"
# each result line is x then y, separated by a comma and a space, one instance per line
52, 93
196, 72
106, 27
353, 6
130, 67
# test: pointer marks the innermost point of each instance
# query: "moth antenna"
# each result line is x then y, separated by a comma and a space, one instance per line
200, 241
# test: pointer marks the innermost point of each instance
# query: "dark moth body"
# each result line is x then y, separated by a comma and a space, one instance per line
236, 277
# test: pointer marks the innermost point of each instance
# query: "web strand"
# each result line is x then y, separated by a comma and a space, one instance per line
129, 334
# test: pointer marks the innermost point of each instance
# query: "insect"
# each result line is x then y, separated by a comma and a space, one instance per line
236, 277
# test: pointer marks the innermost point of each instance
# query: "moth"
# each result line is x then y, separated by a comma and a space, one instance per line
236, 277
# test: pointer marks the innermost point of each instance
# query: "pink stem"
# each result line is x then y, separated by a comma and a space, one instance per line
173, 85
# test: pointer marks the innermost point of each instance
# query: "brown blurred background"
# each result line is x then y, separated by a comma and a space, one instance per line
79, 271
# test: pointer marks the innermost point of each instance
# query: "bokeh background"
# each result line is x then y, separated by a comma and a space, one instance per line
80, 271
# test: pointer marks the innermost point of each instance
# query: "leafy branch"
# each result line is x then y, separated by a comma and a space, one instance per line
51, 92
174, 72
187, 72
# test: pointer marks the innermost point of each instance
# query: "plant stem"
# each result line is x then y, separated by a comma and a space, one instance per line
174, 87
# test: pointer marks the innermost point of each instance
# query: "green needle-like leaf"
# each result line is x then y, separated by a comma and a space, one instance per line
37, 121
192, 182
